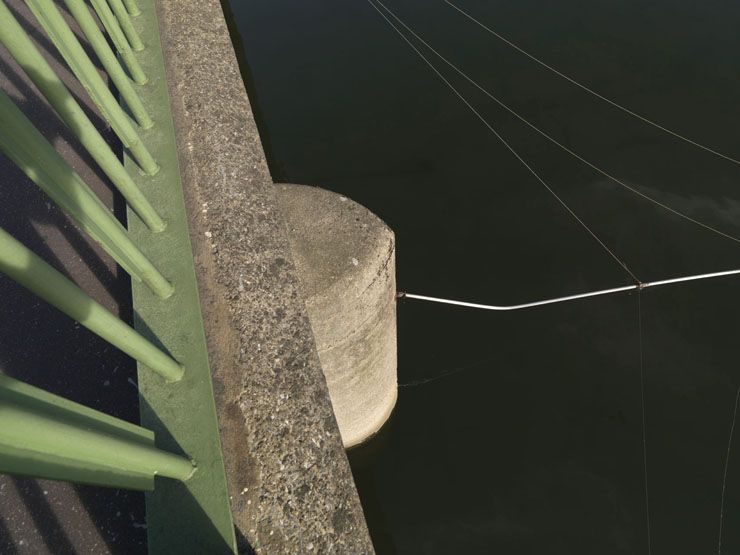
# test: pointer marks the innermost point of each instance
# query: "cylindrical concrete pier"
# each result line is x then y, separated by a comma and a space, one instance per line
345, 256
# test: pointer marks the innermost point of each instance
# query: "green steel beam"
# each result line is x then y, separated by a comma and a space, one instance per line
113, 28
45, 436
78, 61
191, 517
128, 27
28, 148
24, 52
23, 266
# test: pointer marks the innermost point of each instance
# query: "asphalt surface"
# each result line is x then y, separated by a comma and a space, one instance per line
43, 347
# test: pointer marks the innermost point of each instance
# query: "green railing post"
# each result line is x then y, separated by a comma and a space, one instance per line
128, 27
114, 31
73, 53
30, 271
45, 436
25, 145
132, 8
33, 63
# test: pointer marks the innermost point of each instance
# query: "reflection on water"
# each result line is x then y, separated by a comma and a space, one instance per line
537, 447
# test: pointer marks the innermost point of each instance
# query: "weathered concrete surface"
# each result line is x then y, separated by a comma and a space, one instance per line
345, 256
42, 346
291, 486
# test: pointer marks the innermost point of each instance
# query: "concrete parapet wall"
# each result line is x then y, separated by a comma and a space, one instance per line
290, 483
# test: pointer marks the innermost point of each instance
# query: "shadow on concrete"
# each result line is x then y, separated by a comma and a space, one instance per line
242, 543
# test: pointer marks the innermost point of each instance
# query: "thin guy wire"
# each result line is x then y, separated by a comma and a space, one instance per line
724, 477
506, 144
591, 91
644, 427
447, 373
552, 139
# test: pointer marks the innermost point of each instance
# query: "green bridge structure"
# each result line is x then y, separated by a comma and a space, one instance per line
193, 451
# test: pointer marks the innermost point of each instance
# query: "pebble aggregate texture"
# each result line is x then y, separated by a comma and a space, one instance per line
290, 484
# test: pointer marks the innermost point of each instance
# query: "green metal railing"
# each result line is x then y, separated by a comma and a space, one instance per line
43, 435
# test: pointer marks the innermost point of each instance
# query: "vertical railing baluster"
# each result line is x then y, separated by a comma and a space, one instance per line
127, 25
131, 7
114, 31
28, 148
68, 45
46, 436
29, 270
51, 86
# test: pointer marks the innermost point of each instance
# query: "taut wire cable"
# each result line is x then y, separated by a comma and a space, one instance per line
591, 91
724, 475
599, 293
644, 427
552, 139
637, 286
448, 373
505, 143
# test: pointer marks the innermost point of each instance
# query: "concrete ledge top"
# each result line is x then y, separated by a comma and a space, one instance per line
291, 486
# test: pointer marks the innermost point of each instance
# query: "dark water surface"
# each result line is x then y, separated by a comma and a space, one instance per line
537, 447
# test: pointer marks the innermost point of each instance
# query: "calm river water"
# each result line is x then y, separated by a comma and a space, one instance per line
536, 445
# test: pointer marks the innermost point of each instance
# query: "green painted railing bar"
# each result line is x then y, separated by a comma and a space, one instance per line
33, 63
112, 27
73, 53
23, 266
28, 148
132, 8
127, 25
43, 435
81, 13
46, 436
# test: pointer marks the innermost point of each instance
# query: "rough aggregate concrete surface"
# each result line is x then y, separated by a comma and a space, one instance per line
291, 486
